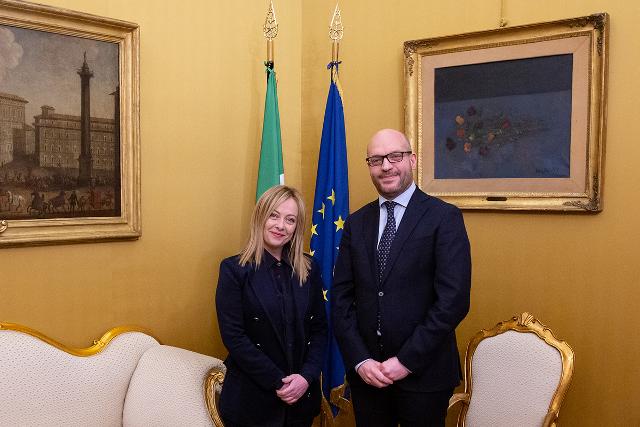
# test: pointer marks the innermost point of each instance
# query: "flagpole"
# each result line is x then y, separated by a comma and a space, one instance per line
270, 30
330, 210
336, 31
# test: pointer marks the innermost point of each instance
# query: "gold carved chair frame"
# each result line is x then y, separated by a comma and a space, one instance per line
524, 323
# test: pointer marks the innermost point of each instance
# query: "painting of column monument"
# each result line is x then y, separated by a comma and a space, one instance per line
59, 126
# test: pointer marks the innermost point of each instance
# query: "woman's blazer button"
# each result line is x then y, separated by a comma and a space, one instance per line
258, 345
256, 319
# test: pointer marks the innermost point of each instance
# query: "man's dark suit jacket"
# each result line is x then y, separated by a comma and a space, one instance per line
246, 304
423, 296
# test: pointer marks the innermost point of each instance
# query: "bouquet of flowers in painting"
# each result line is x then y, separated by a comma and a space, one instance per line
508, 143
474, 132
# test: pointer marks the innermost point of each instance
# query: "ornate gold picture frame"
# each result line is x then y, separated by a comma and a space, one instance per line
511, 118
69, 126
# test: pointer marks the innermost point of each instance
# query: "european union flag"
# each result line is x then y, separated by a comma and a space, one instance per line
330, 209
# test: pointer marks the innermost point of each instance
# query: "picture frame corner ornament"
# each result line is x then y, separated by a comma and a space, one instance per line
599, 20
593, 205
409, 48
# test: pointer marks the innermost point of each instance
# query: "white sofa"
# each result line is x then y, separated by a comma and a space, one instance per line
127, 378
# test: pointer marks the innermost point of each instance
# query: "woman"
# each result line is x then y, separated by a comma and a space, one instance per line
272, 320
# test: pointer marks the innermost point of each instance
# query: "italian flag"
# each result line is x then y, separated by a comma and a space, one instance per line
271, 169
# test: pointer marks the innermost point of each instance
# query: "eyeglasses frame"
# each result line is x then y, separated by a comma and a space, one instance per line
386, 156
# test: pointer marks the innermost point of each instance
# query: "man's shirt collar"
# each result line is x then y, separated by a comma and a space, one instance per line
403, 198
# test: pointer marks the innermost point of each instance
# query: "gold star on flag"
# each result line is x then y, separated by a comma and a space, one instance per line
339, 223
332, 197
321, 210
324, 294
312, 252
313, 229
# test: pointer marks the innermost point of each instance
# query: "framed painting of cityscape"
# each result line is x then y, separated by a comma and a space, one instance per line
511, 118
69, 126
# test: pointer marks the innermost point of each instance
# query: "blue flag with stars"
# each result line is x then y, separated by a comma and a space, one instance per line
330, 209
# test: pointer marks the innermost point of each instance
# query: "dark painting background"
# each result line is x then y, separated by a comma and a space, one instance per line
504, 119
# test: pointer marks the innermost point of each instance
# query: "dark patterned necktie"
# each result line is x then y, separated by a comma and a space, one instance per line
385, 240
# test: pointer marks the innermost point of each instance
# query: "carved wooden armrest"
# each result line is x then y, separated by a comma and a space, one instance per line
458, 397
212, 386
550, 419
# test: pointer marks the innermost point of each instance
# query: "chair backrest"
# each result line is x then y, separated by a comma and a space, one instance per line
516, 374
44, 383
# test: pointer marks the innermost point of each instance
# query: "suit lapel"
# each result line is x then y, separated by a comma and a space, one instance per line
414, 211
263, 287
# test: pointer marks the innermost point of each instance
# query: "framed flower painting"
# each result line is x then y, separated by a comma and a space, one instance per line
512, 118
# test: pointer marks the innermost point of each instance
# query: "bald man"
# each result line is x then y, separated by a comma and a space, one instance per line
401, 287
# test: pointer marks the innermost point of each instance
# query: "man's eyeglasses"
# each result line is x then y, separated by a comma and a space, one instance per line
394, 157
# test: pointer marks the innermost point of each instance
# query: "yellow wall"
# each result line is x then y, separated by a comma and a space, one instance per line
202, 98
577, 273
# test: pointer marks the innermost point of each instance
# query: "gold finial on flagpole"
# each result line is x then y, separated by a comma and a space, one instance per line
336, 31
270, 29
503, 22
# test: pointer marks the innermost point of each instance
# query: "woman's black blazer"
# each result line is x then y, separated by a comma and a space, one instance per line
246, 303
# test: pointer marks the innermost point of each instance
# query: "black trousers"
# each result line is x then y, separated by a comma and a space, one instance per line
229, 423
390, 406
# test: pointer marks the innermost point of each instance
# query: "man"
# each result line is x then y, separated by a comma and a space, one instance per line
401, 286
73, 201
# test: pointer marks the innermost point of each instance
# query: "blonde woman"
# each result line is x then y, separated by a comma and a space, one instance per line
272, 320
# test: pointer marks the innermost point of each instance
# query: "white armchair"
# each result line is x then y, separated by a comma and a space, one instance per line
127, 378
516, 374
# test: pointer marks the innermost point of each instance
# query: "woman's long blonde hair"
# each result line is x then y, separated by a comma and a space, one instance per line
254, 249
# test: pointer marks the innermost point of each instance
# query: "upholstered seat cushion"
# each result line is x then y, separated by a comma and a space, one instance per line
162, 391
41, 385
